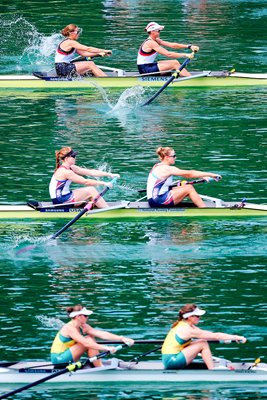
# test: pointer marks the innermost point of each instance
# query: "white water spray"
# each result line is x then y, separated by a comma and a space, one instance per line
50, 322
23, 46
129, 100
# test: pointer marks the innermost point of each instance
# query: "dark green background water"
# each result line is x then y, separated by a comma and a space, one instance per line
135, 275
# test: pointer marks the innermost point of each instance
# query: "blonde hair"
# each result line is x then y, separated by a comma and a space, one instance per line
185, 309
78, 307
61, 154
68, 29
162, 152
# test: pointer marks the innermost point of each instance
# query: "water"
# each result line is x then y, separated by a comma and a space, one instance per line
135, 275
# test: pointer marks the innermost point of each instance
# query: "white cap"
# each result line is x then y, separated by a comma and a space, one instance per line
153, 26
196, 312
83, 311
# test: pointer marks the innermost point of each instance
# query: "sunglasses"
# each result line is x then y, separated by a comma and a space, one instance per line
78, 31
173, 155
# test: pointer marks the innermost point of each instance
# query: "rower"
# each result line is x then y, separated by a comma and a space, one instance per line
77, 337
67, 49
160, 179
154, 45
67, 172
179, 350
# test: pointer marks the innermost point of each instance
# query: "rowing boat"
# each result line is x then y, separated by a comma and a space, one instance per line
147, 372
121, 79
216, 208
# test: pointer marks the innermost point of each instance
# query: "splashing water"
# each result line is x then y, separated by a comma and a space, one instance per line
102, 92
130, 99
23, 46
41, 49
50, 322
26, 244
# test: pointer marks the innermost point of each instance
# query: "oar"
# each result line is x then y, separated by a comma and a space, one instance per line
136, 341
137, 358
70, 368
84, 58
175, 75
78, 59
160, 341
87, 208
182, 183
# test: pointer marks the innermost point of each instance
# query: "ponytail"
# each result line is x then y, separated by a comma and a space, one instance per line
162, 152
61, 154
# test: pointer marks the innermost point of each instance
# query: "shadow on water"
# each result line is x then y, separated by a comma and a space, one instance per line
151, 392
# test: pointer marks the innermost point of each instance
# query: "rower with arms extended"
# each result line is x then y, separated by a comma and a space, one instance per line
160, 179
154, 45
67, 172
77, 337
67, 49
179, 350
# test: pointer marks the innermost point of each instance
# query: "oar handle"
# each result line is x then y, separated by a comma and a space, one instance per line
160, 341
105, 353
83, 58
207, 179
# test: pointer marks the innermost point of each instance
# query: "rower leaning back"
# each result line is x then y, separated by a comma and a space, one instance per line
153, 46
160, 179
179, 350
67, 172
70, 46
77, 337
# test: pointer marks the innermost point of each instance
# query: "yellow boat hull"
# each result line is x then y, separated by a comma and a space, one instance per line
31, 82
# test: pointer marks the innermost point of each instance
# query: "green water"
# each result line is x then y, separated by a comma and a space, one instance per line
135, 275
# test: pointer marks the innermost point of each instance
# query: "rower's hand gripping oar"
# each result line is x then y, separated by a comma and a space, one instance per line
70, 368
87, 208
206, 179
175, 75
90, 58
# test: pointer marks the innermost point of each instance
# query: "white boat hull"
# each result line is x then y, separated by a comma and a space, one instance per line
144, 372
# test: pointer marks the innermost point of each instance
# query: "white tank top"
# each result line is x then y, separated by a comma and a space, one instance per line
144, 57
63, 56
157, 186
59, 188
